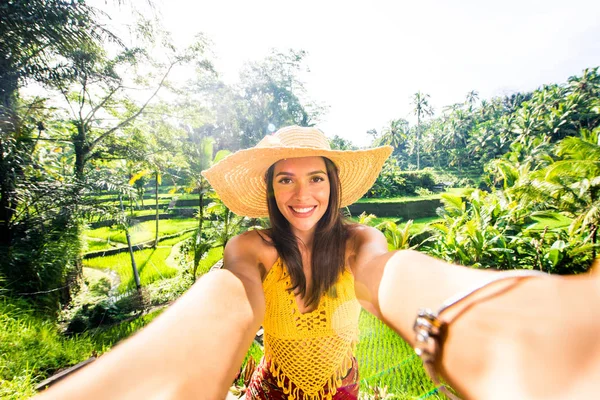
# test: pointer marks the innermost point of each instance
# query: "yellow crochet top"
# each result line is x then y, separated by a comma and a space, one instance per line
313, 350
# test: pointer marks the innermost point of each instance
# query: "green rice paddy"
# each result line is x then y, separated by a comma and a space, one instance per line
107, 237
151, 265
386, 360
213, 255
404, 199
417, 226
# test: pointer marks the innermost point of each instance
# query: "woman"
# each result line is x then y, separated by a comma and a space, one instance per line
305, 261
503, 336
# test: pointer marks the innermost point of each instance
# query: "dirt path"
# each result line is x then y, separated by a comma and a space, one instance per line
115, 281
173, 258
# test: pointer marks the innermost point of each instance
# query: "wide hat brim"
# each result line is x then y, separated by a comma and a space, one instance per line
239, 179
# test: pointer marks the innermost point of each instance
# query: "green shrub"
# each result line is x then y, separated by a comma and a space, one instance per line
107, 338
423, 191
42, 262
101, 287
486, 231
393, 182
94, 315
168, 290
465, 182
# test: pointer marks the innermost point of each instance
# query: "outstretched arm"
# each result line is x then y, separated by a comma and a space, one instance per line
534, 339
193, 350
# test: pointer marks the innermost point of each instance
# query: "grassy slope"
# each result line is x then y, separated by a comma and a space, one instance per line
97, 244
149, 195
404, 199
385, 360
151, 265
32, 348
214, 255
107, 237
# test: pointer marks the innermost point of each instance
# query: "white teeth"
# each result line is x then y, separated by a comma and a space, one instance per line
302, 210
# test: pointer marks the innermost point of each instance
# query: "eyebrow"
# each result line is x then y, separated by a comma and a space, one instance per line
310, 173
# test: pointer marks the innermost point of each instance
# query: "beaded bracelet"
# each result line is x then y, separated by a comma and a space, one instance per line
429, 326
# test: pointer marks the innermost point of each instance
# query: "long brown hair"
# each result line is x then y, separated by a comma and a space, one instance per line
329, 244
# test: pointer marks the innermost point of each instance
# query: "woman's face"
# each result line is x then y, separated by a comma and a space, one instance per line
301, 188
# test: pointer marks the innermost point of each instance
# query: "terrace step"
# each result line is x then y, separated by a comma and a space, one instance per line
173, 214
138, 246
405, 210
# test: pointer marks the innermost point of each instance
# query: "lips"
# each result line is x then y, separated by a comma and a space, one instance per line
302, 211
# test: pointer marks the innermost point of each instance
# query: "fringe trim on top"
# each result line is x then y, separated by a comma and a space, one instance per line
333, 383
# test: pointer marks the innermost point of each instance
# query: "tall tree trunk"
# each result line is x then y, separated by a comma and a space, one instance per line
81, 151
136, 275
226, 230
200, 207
8, 167
418, 140
594, 239
156, 198
197, 253
16, 153
6, 189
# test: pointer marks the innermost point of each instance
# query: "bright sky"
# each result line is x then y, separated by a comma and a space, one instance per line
366, 59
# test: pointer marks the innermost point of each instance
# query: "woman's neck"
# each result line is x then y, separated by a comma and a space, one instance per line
305, 239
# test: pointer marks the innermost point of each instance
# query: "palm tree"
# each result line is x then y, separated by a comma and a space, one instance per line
584, 93
588, 82
471, 99
571, 186
576, 179
339, 143
422, 108
395, 134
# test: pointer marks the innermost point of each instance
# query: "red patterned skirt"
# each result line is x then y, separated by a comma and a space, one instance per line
263, 385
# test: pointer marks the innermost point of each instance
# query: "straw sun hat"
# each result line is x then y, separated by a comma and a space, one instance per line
239, 178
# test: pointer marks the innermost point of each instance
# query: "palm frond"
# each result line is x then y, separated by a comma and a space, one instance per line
592, 216
578, 148
575, 169
453, 201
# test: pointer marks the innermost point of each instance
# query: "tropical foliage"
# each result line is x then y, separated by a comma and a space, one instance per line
492, 231
111, 135
394, 182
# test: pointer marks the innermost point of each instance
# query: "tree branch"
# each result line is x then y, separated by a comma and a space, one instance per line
82, 99
135, 115
89, 117
63, 91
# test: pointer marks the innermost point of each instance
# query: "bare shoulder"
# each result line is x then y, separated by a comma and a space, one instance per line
249, 252
363, 235
248, 245
364, 243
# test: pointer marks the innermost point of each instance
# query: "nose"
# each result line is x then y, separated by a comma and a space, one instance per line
302, 190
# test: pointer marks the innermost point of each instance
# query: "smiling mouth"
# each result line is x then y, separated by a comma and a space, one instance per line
303, 211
